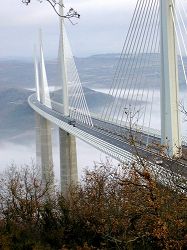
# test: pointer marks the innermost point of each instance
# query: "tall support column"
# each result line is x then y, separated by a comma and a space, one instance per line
44, 148
36, 75
62, 61
170, 128
68, 160
68, 154
44, 157
43, 84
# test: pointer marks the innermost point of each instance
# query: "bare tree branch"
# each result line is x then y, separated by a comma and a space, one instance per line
71, 14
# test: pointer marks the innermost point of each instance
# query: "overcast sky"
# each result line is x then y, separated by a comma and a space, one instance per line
101, 29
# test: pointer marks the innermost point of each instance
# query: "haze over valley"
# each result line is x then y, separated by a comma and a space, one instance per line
17, 83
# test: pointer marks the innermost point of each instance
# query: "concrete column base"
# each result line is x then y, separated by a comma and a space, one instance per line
68, 160
44, 157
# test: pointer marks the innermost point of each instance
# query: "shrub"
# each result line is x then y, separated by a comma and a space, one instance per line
112, 208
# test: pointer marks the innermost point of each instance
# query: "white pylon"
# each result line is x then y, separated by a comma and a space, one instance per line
44, 87
170, 128
62, 61
36, 74
44, 155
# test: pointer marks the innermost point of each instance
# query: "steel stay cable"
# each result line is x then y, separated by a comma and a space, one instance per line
156, 31
80, 105
173, 17
134, 64
131, 49
144, 116
141, 102
143, 89
180, 51
129, 33
132, 68
146, 106
78, 90
150, 116
177, 37
86, 112
147, 42
83, 103
180, 16
74, 100
141, 52
125, 46
147, 97
128, 60
146, 54
185, 13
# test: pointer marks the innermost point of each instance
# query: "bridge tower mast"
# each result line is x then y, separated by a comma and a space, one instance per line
68, 153
44, 157
62, 59
170, 128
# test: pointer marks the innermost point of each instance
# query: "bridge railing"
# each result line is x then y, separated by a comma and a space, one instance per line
78, 113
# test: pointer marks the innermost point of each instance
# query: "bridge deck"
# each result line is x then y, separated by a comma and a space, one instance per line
126, 139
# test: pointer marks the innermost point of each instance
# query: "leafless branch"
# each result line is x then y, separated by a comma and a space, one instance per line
70, 15
183, 110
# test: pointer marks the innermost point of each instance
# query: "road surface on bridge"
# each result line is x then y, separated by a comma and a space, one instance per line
123, 138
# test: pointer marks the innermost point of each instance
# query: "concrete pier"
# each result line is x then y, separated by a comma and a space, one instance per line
68, 160
44, 157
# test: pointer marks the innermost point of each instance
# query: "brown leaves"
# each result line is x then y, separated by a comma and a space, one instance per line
113, 208
132, 207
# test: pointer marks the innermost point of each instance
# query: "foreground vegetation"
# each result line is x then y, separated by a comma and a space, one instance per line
111, 209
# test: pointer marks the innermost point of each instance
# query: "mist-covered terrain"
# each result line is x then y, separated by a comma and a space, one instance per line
17, 83
17, 122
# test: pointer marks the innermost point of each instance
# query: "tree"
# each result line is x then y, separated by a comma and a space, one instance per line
113, 208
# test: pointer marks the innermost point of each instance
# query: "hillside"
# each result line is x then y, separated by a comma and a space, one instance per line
96, 73
16, 115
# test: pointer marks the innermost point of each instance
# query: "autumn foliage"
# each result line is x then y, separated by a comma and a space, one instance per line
112, 208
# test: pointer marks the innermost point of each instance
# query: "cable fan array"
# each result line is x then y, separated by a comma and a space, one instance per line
133, 87
78, 109
178, 15
134, 94
77, 101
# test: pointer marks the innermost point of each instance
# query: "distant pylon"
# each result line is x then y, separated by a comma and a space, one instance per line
36, 74
44, 88
44, 156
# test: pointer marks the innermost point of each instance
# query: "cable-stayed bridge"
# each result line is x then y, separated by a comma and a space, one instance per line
124, 127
